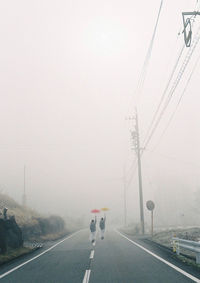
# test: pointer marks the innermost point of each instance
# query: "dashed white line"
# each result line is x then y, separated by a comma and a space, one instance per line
92, 254
161, 259
35, 257
88, 271
87, 276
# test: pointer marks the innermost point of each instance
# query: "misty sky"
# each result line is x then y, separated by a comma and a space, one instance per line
68, 75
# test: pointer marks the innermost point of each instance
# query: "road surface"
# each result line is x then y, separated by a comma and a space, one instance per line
116, 259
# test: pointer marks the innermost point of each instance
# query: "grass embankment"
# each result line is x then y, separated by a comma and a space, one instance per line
53, 237
23, 215
35, 227
12, 254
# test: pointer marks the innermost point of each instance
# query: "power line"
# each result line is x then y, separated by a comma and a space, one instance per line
172, 90
132, 175
179, 101
135, 167
168, 84
175, 84
148, 56
165, 92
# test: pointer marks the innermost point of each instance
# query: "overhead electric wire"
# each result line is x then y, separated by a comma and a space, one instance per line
167, 86
131, 176
148, 54
173, 88
165, 92
143, 73
179, 101
175, 84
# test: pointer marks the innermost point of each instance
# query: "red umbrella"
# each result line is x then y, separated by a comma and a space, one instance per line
95, 211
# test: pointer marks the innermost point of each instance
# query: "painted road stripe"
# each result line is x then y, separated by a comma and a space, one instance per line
92, 254
35, 257
87, 276
161, 259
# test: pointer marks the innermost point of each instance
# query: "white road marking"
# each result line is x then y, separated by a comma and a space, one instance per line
87, 276
161, 259
92, 254
35, 257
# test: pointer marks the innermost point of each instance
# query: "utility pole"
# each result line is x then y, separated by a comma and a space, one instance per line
136, 140
24, 194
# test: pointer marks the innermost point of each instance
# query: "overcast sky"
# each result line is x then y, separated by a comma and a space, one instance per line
68, 75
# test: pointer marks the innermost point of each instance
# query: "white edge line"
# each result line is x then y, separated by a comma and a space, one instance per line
35, 257
92, 254
87, 276
161, 259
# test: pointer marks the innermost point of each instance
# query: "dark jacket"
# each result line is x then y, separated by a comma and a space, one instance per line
102, 223
93, 225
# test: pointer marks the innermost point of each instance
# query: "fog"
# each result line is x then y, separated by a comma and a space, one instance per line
68, 78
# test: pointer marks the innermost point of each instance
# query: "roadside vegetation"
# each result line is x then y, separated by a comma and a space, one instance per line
14, 253
34, 226
21, 228
164, 237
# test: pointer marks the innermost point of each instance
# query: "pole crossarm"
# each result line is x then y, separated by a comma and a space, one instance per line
195, 13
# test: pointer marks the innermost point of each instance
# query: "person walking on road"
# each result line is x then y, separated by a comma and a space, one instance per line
102, 227
93, 230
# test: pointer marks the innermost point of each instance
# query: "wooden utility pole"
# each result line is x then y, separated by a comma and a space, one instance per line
138, 151
136, 144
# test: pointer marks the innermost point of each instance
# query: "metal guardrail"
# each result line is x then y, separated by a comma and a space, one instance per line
187, 245
37, 245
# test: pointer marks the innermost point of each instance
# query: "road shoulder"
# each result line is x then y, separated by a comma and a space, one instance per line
165, 253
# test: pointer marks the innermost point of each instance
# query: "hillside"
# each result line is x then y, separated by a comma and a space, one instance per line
33, 225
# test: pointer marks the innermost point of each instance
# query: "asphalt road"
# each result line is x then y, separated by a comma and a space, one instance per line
115, 259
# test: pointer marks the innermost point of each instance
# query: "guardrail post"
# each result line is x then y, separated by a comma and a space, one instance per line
186, 245
198, 258
174, 245
177, 248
